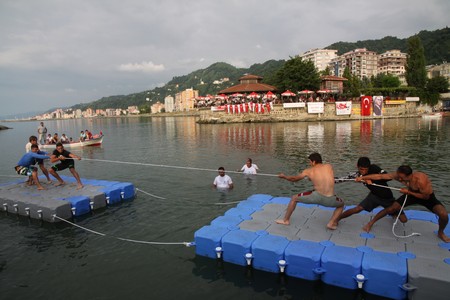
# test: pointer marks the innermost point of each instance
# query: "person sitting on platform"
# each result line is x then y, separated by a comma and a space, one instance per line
66, 160
25, 166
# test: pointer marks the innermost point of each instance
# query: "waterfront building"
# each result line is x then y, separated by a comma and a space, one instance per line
169, 104
184, 100
361, 63
157, 107
439, 70
247, 84
333, 83
393, 62
320, 57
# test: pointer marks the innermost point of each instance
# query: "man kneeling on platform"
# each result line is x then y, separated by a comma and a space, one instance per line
25, 165
65, 159
322, 177
419, 191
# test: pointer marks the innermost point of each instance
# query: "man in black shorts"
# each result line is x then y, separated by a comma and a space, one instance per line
419, 191
378, 195
65, 159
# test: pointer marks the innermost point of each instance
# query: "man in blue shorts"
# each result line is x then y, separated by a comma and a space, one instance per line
65, 159
25, 166
379, 195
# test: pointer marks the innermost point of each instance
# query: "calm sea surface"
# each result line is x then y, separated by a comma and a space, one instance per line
59, 261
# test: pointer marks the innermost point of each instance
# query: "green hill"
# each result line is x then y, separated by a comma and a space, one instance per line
436, 44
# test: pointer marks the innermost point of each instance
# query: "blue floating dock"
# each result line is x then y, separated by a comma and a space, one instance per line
64, 201
398, 268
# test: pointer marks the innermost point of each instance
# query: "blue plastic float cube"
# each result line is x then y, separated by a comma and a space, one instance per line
80, 204
207, 239
113, 195
341, 265
304, 259
267, 251
236, 244
385, 273
226, 221
127, 190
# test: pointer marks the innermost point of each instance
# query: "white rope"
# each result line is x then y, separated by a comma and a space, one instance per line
399, 213
187, 244
396, 220
227, 203
154, 196
168, 166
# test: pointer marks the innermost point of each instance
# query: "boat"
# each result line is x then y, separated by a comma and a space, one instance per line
435, 115
87, 143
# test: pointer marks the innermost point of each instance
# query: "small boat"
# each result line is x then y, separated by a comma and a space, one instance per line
92, 142
435, 115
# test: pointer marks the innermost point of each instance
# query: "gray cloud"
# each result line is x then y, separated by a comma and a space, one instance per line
65, 52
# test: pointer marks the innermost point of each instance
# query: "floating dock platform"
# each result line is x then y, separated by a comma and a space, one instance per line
417, 267
63, 201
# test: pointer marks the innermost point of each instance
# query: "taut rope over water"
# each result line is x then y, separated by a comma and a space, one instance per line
168, 166
187, 244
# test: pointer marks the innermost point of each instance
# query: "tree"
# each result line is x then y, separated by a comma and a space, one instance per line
297, 74
353, 84
438, 84
385, 81
416, 74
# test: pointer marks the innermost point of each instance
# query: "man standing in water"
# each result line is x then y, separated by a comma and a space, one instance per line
322, 177
419, 191
65, 159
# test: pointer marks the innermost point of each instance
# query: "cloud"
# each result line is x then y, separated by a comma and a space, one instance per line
145, 67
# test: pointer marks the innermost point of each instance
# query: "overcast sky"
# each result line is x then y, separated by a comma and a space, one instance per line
62, 52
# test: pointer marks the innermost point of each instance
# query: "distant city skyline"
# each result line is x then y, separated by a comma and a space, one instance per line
58, 54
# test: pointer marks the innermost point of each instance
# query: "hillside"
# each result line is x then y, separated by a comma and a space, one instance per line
436, 44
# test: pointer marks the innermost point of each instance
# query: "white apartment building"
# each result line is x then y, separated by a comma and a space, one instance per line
439, 70
320, 57
169, 104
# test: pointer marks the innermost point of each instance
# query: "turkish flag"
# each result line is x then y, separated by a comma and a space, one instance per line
366, 105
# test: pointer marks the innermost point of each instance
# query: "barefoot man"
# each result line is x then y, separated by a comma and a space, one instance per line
25, 165
322, 177
419, 191
65, 159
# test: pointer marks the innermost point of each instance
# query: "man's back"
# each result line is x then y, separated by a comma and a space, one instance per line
322, 177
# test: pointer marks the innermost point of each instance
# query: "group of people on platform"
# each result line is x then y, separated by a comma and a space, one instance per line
418, 190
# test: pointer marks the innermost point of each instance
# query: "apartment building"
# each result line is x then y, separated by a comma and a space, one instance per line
393, 62
439, 70
361, 63
320, 57
184, 100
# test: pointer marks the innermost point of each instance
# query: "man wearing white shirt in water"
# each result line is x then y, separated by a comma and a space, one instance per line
223, 181
249, 167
